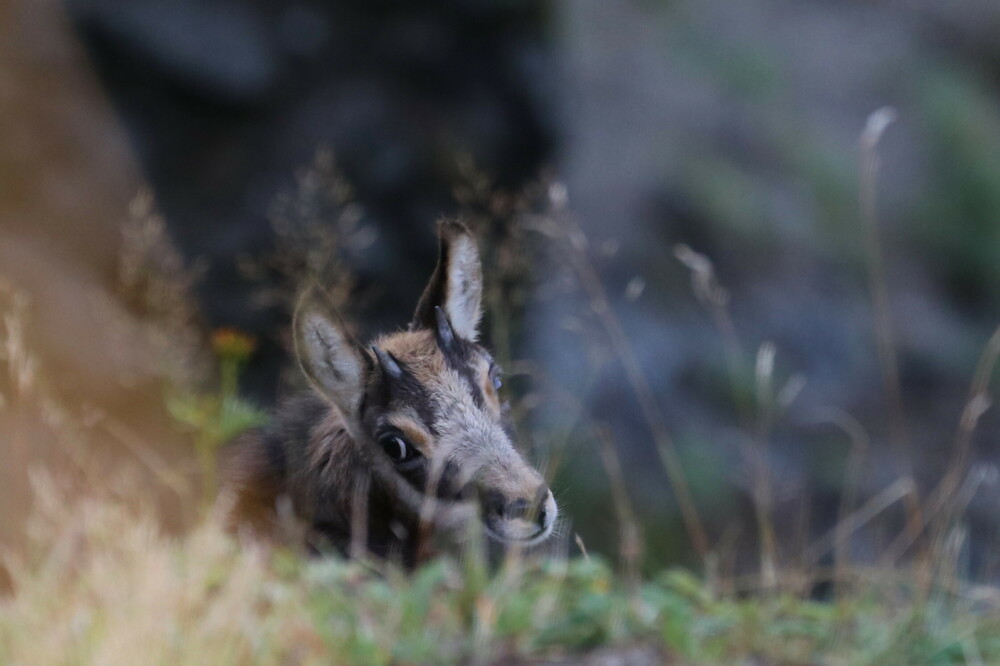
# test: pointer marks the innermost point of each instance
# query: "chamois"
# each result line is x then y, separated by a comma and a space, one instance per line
397, 441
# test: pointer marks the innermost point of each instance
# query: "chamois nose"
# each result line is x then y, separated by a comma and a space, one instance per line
494, 505
500, 507
541, 502
518, 508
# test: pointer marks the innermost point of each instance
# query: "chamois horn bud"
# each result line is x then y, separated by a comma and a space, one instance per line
445, 334
390, 366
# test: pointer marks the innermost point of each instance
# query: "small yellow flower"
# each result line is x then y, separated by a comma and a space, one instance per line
233, 343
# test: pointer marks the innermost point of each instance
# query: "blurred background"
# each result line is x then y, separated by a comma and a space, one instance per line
730, 128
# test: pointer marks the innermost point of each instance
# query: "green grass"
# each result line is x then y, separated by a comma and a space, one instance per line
106, 586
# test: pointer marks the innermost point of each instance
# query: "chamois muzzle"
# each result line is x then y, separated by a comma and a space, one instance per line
518, 519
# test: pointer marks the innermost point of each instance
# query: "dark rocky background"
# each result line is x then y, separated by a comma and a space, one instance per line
225, 100
731, 127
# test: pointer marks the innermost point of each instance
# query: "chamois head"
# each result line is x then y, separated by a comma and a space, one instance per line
424, 404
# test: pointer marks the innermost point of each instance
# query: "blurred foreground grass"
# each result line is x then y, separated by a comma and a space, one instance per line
103, 585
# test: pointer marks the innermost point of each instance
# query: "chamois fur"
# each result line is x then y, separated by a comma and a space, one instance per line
398, 440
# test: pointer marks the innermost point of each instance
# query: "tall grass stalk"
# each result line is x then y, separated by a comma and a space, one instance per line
940, 503
756, 420
877, 124
564, 228
860, 445
630, 543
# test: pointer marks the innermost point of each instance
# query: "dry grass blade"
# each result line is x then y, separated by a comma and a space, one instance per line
21, 371
315, 224
715, 298
860, 445
763, 490
943, 495
976, 405
756, 419
575, 243
144, 453
630, 541
899, 490
158, 287
583, 548
876, 126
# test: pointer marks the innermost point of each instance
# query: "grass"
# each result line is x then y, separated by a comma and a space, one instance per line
103, 585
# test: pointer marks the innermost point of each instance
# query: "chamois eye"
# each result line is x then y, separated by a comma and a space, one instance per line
397, 448
495, 377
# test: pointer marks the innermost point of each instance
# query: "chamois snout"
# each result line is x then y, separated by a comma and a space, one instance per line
516, 510
519, 519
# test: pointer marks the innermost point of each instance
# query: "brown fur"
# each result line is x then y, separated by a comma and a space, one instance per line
321, 481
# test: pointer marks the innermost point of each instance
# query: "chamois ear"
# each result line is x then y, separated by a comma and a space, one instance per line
327, 353
456, 286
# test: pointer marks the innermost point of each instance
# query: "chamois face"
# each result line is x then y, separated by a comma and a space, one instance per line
428, 402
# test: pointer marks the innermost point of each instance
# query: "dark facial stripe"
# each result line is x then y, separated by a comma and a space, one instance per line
407, 390
444, 488
446, 484
468, 373
416, 477
461, 357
